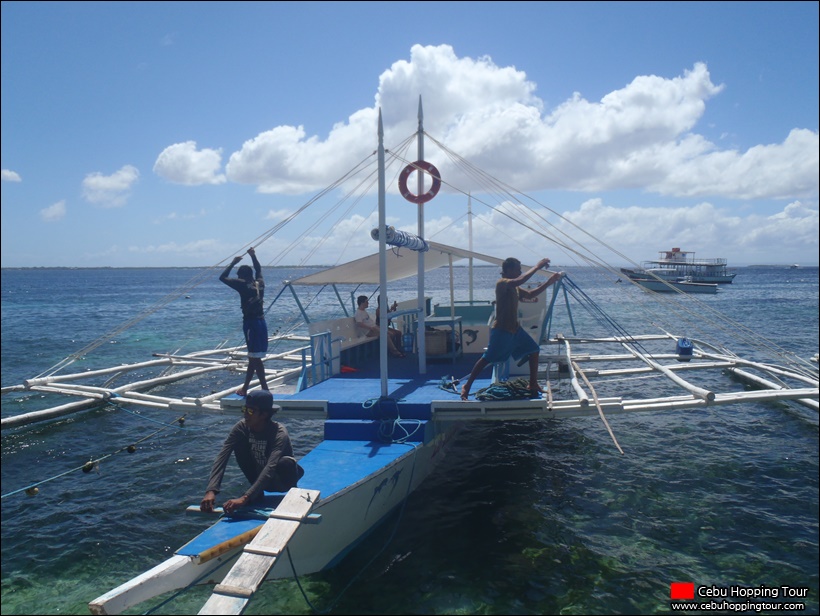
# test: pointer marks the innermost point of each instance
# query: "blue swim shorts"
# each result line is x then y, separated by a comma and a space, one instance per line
256, 336
503, 344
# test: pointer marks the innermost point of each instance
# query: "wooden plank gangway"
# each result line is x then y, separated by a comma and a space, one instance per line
232, 595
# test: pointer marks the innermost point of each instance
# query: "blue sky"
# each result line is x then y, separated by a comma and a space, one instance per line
174, 133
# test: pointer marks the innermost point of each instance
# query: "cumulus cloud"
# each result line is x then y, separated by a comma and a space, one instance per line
53, 213
796, 225
182, 163
708, 230
10, 176
640, 136
774, 171
110, 190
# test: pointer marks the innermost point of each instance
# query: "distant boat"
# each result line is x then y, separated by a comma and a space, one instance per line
794, 266
687, 266
666, 280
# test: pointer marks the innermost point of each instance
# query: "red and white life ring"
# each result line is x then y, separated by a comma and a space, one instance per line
419, 165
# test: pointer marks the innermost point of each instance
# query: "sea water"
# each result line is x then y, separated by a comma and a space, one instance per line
520, 518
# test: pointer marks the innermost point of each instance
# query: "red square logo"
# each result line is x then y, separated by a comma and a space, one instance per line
682, 590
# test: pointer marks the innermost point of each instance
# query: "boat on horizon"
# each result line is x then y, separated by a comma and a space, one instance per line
688, 267
388, 421
667, 280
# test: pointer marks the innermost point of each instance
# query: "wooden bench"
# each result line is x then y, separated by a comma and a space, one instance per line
350, 341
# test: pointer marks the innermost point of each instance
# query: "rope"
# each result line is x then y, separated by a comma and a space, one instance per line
95, 463
182, 290
200, 277
597, 404
388, 427
598, 313
512, 206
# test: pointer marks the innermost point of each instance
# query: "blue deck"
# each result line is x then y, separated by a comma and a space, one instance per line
355, 444
353, 395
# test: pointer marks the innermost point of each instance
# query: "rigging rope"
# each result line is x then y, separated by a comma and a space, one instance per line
696, 317
199, 278
519, 207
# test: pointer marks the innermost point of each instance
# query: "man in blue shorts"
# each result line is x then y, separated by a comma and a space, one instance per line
251, 291
507, 338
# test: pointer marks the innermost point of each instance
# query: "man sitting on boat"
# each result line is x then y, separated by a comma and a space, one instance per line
366, 324
263, 451
395, 335
507, 338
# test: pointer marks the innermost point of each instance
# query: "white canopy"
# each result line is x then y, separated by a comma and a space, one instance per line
401, 263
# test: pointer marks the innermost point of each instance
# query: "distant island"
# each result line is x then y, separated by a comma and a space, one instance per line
784, 266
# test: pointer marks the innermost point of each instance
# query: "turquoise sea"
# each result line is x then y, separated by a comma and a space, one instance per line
521, 518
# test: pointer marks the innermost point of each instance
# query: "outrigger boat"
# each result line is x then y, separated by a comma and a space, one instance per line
677, 270
667, 280
387, 422
698, 269
684, 264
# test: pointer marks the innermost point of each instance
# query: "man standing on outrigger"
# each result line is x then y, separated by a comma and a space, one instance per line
507, 338
251, 291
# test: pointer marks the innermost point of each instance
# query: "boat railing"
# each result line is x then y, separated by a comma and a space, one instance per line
692, 261
330, 339
320, 366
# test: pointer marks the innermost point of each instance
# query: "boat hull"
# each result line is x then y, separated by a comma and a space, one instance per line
725, 279
392, 471
667, 281
670, 286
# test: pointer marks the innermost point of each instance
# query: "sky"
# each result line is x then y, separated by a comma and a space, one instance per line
143, 134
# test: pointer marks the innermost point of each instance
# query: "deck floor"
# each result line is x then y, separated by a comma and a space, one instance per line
411, 391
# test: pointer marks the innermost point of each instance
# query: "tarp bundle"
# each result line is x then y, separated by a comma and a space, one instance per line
395, 237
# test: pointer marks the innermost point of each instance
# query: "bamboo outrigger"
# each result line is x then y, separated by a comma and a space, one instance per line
94, 393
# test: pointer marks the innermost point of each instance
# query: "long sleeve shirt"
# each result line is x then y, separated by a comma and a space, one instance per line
251, 294
257, 453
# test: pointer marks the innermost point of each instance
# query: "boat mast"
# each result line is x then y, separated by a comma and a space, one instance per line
420, 342
470, 232
382, 264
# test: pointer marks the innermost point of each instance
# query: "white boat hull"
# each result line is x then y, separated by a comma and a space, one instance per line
668, 286
347, 516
